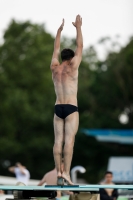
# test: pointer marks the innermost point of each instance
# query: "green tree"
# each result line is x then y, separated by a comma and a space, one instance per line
104, 93
27, 96
27, 100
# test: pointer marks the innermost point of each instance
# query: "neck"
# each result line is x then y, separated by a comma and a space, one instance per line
67, 61
108, 182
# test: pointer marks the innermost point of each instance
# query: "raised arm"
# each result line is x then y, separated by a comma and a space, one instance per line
22, 169
11, 169
79, 40
55, 57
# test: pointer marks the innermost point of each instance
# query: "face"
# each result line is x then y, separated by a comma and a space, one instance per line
108, 178
18, 164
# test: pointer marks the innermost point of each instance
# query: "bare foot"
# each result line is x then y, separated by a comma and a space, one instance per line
67, 178
58, 174
60, 180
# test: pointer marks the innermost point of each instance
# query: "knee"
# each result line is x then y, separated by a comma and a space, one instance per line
58, 143
69, 144
57, 149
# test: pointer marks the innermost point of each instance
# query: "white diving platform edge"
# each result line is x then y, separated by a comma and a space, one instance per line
66, 187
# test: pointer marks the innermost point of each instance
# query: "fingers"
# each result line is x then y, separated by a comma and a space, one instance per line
62, 25
63, 21
78, 20
78, 17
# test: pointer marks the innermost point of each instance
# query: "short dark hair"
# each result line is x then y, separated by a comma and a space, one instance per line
67, 54
108, 172
17, 163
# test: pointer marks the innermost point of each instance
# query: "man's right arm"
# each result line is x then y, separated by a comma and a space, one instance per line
42, 181
22, 170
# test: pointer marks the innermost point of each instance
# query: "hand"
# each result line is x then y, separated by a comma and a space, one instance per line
61, 27
78, 21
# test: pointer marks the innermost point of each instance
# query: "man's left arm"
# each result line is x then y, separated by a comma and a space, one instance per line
55, 57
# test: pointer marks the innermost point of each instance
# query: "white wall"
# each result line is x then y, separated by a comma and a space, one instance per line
6, 180
122, 168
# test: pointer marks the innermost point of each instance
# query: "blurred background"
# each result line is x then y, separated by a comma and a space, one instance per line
105, 137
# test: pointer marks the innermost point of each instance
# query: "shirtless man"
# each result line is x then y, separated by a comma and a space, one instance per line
66, 117
50, 178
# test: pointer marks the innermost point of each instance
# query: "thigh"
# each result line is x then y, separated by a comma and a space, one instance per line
71, 126
58, 129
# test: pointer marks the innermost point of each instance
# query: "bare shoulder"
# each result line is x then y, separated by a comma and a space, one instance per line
54, 63
51, 172
75, 62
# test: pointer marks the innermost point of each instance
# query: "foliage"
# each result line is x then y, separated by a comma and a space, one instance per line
27, 95
27, 101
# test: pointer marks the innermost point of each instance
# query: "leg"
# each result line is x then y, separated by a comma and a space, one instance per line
57, 149
71, 127
58, 197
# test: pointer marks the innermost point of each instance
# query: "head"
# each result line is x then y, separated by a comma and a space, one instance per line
108, 176
67, 54
18, 164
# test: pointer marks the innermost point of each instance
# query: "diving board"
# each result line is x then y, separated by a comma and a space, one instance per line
66, 187
50, 191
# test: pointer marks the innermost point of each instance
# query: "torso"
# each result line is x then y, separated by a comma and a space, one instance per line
65, 79
108, 190
22, 177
